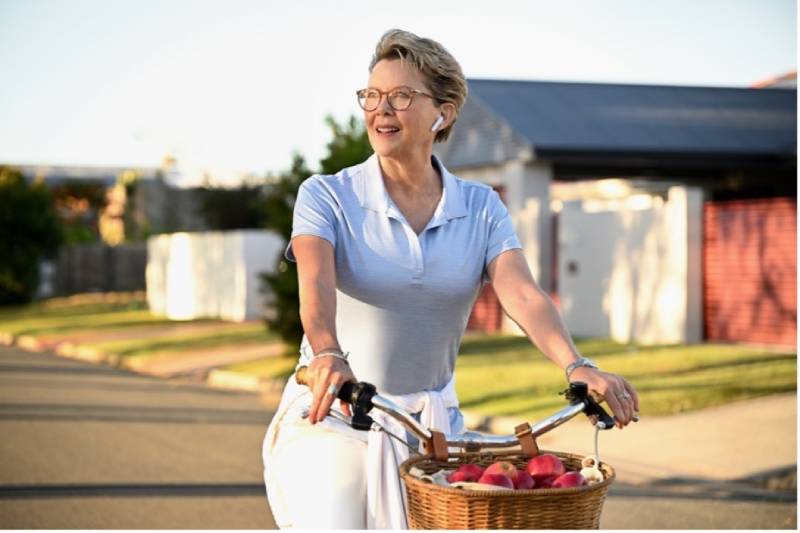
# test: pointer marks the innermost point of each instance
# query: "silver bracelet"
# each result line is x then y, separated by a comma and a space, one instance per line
338, 355
582, 361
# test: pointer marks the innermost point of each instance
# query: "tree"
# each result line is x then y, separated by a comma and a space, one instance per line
348, 146
280, 287
232, 208
79, 204
29, 231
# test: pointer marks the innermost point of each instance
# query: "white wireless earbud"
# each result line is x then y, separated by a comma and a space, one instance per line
437, 123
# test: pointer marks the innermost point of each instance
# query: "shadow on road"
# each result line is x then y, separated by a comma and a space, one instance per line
126, 490
138, 414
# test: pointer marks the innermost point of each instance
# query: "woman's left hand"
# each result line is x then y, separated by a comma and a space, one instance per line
620, 395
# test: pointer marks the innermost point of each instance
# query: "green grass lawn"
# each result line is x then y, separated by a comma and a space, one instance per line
269, 367
506, 376
125, 316
78, 313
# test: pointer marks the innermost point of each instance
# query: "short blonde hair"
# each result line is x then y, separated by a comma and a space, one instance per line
438, 66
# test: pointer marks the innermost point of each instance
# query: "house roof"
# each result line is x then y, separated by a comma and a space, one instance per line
558, 120
59, 174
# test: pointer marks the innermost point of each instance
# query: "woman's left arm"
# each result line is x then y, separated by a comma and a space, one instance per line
531, 308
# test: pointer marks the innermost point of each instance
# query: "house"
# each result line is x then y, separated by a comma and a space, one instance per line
107, 213
652, 214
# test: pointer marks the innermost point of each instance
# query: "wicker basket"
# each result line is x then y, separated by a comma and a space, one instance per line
434, 507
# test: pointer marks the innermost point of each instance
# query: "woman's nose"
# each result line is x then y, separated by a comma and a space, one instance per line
383, 105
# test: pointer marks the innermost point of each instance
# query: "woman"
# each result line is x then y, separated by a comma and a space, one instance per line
391, 255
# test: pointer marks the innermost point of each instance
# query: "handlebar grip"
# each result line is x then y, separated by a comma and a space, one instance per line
345, 392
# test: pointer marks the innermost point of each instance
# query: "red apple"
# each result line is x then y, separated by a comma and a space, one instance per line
569, 480
496, 479
546, 483
544, 466
504, 468
524, 481
466, 472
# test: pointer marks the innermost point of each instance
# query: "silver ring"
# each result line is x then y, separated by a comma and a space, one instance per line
333, 389
624, 396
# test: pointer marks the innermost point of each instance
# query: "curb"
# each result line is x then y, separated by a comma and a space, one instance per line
87, 353
222, 379
269, 389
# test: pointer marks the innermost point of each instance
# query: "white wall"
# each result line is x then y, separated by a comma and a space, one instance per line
630, 269
211, 274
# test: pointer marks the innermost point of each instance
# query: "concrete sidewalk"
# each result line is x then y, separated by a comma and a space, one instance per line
731, 442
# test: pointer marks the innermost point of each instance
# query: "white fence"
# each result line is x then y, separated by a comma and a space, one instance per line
631, 269
210, 274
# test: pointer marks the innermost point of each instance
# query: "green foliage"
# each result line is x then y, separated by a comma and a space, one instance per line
79, 204
348, 146
280, 196
29, 232
135, 228
229, 209
280, 287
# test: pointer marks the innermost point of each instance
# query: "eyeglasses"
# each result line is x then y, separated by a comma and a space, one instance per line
399, 98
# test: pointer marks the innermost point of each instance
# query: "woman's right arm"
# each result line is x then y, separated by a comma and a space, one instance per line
316, 274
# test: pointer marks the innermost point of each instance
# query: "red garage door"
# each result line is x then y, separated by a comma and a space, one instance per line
487, 314
750, 271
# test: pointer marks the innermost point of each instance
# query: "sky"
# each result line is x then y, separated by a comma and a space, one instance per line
235, 86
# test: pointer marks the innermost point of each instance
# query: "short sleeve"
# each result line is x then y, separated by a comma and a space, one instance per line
502, 236
314, 214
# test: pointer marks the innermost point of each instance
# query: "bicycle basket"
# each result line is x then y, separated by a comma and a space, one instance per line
435, 507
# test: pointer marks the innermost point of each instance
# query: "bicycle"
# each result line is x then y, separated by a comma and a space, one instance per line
431, 506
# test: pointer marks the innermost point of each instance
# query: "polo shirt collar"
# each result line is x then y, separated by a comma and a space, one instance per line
372, 193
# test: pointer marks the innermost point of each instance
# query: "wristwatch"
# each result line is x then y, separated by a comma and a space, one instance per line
582, 361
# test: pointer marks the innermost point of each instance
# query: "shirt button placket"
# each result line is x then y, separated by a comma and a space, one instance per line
417, 261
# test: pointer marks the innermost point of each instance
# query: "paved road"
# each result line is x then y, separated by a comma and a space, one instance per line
87, 446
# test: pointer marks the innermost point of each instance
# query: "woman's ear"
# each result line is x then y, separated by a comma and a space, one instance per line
448, 111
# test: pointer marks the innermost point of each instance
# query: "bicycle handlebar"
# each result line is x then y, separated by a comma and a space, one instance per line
363, 397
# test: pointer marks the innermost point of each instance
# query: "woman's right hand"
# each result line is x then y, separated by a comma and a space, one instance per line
322, 373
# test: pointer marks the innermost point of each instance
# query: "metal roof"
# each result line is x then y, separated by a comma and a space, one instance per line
558, 118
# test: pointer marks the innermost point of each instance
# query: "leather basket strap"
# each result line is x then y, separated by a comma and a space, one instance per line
526, 440
437, 446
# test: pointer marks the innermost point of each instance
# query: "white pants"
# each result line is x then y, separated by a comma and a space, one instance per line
322, 473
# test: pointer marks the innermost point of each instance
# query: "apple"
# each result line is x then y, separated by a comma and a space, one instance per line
545, 483
504, 468
500, 480
466, 472
524, 481
544, 466
569, 480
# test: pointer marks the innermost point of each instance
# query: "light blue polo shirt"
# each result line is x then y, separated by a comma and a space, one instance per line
402, 299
